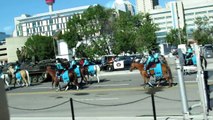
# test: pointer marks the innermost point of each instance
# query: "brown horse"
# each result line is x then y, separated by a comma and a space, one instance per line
72, 78
146, 77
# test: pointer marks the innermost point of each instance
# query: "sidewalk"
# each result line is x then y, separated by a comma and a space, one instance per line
109, 118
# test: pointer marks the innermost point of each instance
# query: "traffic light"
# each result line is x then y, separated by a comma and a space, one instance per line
208, 91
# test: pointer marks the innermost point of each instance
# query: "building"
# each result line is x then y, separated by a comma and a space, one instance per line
145, 6
11, 45
46, 24
3, 48
3, 35
122, 5
177, 15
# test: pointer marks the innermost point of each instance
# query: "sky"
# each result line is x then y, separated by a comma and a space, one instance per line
13, 8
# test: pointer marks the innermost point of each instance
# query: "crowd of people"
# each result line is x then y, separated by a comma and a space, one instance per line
70, 65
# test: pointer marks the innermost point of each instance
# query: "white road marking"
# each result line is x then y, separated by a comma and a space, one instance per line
41, 88
97, 99
110, 85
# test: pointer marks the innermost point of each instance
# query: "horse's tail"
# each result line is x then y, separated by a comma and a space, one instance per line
28, 77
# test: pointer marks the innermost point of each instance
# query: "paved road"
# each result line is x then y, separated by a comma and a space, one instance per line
118, 96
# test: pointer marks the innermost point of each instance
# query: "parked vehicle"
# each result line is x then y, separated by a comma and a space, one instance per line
113, 62
107, 62
208, 51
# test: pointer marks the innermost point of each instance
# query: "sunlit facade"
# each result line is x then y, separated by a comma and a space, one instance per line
177, 15
46, 24
145, 6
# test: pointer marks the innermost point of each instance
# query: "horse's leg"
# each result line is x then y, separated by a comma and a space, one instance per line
75, 81
14, 82
97, 77
167, 75
24, 81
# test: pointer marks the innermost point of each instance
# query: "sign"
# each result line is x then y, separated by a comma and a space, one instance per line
118, 64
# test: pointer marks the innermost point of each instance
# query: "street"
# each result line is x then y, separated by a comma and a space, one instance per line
119, 94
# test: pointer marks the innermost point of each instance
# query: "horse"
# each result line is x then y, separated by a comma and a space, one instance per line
165, 71
91, 70
72, 77
19, 76
6, 78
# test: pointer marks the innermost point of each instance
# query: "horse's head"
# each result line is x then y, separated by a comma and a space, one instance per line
132, 67
136, 65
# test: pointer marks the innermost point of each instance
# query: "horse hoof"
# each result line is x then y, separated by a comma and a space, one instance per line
58, 90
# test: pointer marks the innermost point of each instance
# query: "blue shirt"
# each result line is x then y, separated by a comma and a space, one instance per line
59, 66
17, 67
189, 50
86, 62
150, 59
73, 62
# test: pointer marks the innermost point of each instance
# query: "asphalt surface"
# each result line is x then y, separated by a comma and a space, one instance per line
131, 90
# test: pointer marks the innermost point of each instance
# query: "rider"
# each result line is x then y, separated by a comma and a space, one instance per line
73, 63
149, 61
189, 53
17, 67
86, 62
59, 68
156, 56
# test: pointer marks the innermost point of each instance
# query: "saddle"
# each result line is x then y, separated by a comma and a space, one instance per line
65, 76
157, 70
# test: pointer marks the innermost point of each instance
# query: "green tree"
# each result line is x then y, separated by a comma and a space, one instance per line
145, 36
176, 36
92, 30
124, 33
39, 47
203, 33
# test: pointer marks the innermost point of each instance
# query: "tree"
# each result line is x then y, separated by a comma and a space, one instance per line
176, 36
203, 33
92, 30
40, 47
124, 33
145, 36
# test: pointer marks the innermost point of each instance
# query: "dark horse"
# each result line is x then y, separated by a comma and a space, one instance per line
72, 78
165, 70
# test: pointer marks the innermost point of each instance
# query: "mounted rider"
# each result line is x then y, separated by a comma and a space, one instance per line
17, 67
73, 63
153, 58
86, 62
59, 68
189, 53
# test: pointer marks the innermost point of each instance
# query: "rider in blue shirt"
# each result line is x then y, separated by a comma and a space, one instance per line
86, 62
149, 60
73, 63
17, 67
59, 68
189, 54
189, 51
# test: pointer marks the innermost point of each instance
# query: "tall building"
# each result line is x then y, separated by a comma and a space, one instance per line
123, 5
176, 14
146, 5
46, 24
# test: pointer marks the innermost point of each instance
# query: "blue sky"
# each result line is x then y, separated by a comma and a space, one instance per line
13, 8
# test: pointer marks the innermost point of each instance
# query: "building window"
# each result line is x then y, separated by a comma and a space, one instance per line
189, 14
202, 12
